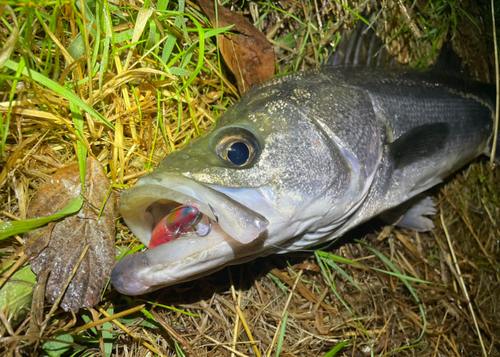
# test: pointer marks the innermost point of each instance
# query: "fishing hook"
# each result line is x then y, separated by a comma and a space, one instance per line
215, 214
209, 229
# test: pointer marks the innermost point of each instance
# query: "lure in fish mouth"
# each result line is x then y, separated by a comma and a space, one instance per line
221, 225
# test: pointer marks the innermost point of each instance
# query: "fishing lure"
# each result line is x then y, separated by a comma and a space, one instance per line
176, 224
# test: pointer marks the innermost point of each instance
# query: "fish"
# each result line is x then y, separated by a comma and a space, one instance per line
305, 157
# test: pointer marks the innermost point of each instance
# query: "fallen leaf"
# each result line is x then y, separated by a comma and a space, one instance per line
248, 53
15, 297
59, 246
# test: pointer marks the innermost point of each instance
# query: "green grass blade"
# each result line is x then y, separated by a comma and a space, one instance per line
342, 272
336, 258
56, 87
393, 352
407, 284
282, 334
332, 285
170, 308
17, 227
5, 128
337, 348
81, 150
278, 282
201, 52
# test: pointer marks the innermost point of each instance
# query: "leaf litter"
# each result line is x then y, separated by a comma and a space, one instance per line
247, 53
56, 248
326, 314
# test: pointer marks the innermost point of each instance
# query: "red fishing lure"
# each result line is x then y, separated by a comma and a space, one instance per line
172, 226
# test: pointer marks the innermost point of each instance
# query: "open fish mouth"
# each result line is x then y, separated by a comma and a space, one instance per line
225, 223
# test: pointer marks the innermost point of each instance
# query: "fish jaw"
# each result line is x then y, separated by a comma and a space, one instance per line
233, 227
170, 263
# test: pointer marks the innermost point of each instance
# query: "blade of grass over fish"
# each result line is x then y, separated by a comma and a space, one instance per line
326, 274
282, 335
337, 348
405, 281
5, 127
56, 87
8, 229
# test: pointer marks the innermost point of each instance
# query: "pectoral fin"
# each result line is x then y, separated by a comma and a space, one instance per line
411, 214
418, 144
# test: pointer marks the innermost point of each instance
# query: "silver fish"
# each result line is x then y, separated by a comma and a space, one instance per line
302, 159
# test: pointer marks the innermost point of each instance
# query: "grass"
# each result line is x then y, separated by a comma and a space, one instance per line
128, 86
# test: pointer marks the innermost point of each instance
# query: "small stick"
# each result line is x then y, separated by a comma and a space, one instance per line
462, 285
107, 319
275, 337
497, 82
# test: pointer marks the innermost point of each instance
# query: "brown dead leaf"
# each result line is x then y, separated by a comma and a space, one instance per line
248, 54
67, 239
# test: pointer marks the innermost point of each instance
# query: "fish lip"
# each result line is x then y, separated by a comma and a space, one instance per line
130, 283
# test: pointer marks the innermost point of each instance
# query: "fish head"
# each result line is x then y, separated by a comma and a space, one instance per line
267, 174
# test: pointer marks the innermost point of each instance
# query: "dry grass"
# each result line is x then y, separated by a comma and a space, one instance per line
239, 311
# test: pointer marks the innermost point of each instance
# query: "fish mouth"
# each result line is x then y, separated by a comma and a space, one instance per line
227, 222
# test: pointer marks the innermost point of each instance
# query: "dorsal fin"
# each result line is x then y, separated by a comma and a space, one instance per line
361, 47
450, 63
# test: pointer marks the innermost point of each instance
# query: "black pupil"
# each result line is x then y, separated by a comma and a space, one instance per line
238, 153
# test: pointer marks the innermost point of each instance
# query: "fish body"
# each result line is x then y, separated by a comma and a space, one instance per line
327, 150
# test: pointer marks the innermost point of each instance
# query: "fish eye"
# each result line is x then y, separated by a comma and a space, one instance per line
239, 150
238, 153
